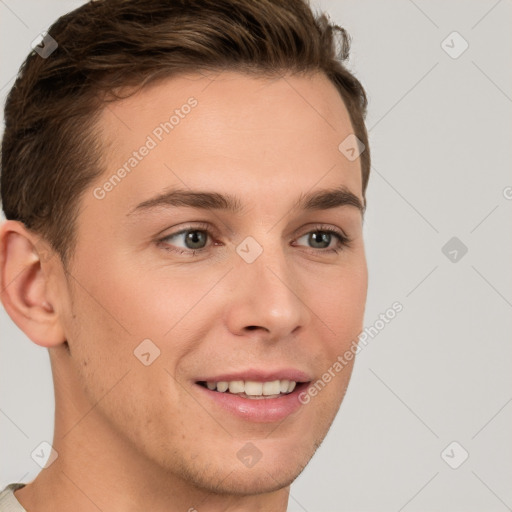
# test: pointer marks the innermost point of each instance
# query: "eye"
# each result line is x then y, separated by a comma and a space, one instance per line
186, 241
325, 238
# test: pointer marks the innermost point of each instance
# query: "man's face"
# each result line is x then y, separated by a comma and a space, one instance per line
262, 294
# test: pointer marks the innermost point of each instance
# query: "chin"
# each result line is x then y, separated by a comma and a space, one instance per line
250, 483
261, 479
277, 468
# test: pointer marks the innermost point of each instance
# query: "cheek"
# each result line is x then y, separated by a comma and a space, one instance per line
107, 374
339, 302
101, 348
134, 302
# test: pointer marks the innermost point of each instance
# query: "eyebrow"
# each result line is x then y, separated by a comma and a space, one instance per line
323, 199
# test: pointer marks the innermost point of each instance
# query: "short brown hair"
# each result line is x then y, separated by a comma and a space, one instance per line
49, 150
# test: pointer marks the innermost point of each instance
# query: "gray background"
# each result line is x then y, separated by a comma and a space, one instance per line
440, 134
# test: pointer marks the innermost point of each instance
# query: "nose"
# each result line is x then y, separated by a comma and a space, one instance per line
267, 300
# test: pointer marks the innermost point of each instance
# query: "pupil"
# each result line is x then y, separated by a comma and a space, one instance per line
194, 237
323, 238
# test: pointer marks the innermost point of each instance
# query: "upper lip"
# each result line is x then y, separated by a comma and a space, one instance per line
263, 375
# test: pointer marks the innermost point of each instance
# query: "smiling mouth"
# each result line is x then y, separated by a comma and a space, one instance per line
254, 390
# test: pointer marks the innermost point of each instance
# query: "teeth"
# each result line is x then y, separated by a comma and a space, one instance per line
236, 386
283, 386
252, 388
272, 388
222, 386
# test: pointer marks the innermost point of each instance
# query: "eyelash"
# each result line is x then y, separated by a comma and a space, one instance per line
343, 240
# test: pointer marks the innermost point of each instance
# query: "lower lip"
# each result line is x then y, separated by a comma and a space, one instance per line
264, 410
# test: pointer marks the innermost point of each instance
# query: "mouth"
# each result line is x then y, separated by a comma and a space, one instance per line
257, 398
251, 389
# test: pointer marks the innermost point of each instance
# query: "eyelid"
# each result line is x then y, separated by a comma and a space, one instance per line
199, 226
323, 227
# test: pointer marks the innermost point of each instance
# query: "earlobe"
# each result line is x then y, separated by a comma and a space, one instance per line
24, 285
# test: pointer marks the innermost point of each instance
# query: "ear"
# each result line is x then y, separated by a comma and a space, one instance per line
24, 278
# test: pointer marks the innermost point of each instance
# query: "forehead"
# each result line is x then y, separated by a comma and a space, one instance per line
241, 133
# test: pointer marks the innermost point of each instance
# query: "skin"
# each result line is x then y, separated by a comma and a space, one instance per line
134, 437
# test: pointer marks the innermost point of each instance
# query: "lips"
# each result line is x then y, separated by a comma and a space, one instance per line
255, 395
